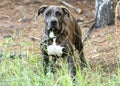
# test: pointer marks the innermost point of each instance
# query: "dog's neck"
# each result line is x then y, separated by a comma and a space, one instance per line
54, 34
51, 34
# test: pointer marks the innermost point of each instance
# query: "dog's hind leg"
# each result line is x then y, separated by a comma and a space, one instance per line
81, 56
71, 67
79, 47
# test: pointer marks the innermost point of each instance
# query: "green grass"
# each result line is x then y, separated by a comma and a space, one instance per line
28, 71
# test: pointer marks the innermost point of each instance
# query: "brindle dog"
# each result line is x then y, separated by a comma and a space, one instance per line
60, 34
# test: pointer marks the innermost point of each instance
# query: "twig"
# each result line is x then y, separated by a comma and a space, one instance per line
78, 10
34, 38
86, 22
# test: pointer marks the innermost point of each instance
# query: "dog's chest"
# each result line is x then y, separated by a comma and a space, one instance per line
53, 48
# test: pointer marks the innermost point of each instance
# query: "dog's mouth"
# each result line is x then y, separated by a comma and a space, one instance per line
53, 28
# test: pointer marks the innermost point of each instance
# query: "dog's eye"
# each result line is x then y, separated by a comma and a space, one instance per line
58, 14
48, 13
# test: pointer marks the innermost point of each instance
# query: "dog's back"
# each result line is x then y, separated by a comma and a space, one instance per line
72, 28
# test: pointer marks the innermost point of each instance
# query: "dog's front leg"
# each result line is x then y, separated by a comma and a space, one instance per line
71, 67
52, 66
45, 57
45, 63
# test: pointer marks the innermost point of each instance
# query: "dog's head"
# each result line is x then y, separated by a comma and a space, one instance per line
53, 16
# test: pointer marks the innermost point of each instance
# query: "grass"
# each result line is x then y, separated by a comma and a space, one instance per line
28, 71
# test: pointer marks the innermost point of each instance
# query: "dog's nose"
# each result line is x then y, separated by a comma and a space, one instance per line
53, 22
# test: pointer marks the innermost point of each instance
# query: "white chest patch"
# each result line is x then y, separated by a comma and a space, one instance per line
51, 35
54, 49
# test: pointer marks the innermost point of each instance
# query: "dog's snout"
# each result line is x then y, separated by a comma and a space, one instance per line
53, 22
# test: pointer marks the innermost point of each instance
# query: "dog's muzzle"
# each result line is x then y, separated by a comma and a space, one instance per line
53, 25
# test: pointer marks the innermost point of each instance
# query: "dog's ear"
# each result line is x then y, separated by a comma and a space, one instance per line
65, 11
40, 11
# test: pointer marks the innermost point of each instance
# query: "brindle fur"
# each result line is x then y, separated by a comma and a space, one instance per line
70, 36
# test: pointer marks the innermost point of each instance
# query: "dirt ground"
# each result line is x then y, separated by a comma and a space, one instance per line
17, 21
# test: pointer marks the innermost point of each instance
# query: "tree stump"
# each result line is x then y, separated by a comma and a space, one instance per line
104, 13
117, 14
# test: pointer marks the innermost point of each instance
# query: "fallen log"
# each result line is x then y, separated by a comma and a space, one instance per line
14, 55
78, 10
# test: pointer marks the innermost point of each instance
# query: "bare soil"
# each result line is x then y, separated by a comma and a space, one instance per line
17, 21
